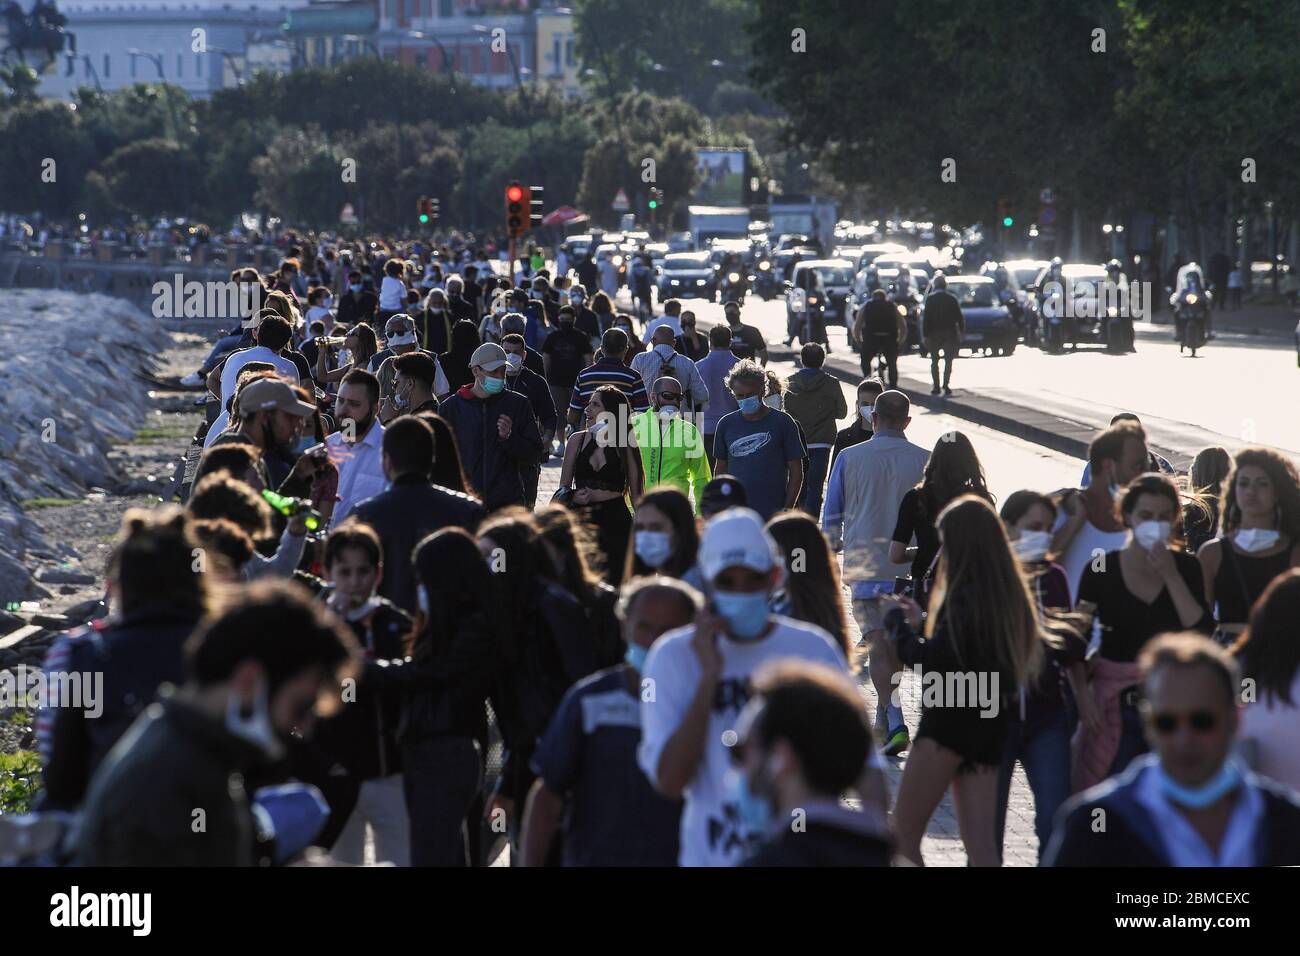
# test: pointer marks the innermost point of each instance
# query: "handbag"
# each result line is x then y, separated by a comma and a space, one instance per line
562, 496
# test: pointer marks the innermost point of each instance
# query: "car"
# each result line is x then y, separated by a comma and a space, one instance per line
870, 252
687, 274
835, 277
657, 251
617, 255
578, 246
681, 242
1085, 307
989, 324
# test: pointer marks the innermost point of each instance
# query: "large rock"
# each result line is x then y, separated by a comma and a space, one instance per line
68, 393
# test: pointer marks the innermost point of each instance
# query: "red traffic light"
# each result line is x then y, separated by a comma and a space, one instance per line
515, 193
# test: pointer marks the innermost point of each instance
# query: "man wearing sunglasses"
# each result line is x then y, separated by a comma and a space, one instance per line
672, 451
1190, 802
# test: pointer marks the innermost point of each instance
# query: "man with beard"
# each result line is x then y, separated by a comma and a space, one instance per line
356, 448
272, 418
461, 307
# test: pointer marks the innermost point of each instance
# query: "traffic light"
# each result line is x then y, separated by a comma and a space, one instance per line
427, 210
535, 205
517, 200
434, 210
655, 195
1004, 213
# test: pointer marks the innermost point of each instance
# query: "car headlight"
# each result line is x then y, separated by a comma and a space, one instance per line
733, 277
1191, 298
618, 260
764, 266
812, 300
699, 282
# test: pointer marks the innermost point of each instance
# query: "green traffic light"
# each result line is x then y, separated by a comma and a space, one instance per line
654, 204
1008, 221
423, 218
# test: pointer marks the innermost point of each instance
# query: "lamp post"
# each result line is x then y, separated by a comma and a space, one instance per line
446, 59
90, 68
234, 64
155, 58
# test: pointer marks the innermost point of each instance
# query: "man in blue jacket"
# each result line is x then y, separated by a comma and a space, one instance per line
1190, 802
496, 430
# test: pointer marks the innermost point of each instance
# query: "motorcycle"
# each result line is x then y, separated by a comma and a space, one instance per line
734, 285
1191, 315
764, 281
1053, 318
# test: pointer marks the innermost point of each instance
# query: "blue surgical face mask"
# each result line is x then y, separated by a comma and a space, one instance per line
750, 406
635, 656
303, 443
1207, 794
493, 386
355, 287
745, 614
755, 812
654, 547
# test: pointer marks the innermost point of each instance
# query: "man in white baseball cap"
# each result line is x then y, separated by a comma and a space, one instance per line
400, 339
699, 680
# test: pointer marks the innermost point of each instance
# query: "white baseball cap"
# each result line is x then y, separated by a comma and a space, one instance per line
736, 538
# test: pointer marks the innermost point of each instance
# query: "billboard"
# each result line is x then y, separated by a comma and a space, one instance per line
720, 177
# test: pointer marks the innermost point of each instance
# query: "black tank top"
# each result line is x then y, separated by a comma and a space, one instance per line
1241, 580
610, 477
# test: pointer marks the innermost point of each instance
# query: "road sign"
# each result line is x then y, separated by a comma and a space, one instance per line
1047, 215
347, 214
1045, 197
620, 203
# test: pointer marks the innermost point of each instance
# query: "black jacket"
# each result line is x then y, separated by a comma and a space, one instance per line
362, 734
941, 317
357, 307
878, 317
534, 388
140, 810
849, 436
1131, 839
838, 838
494, 467
403, 516
136, 655
441, 690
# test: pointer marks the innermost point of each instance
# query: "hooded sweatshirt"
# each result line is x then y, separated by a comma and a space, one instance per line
815, 400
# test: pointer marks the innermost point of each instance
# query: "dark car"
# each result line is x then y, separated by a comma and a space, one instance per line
989, 325
687, 274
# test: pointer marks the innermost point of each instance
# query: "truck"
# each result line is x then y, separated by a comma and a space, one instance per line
805, 215
718, 222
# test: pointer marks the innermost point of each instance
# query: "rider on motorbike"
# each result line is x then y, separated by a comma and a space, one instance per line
1115, 294
1191, 295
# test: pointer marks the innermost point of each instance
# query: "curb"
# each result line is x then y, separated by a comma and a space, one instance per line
1039, 428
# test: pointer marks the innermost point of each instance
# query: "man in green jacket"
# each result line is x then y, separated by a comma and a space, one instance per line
672, 451
814, 399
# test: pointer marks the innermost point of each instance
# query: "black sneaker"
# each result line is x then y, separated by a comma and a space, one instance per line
935, 390
947, 390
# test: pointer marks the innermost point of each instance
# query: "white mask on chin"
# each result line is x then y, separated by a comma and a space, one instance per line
1256, 539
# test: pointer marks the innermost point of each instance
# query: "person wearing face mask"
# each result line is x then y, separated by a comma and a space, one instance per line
702, 678
815, 399
858, 430
257, 673
357, 303
664, 361
1042, 717
747, 342
584, 319
665, 537
514, 323
401, 340
1259, 538
759, 444
1087, 522
672, 318
714, 369
803, 741
587, 758
1145, 588
565, 353
435, 322
414, 375
1190, 803
691, 343
362, 737
355, 448
533, 387
495, 428
672, 451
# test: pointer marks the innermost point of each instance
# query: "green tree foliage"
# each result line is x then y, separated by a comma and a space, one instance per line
45, 159
152, 177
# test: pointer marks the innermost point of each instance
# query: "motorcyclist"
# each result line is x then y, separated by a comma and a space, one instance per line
1190, 281
1115, 295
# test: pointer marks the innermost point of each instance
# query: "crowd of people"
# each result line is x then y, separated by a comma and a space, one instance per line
361, 593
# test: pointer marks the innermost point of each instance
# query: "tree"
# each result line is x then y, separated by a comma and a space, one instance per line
299, 177
45, 160
152, 177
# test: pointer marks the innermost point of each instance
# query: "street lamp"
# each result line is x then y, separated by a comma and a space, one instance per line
483, 31
446, 59
234, 64
155, 58
90, 68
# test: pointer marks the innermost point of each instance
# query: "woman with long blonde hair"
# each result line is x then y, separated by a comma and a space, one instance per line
982, 644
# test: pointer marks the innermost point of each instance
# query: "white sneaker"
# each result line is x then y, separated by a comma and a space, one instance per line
193, 380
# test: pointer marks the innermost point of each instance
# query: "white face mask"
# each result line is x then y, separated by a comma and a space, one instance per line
773, 401
865, 411
514, 361
1149, 534
668, 413
1256, 539
1032, 545
256, 728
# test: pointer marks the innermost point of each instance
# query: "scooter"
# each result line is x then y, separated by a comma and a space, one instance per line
735, 283
1191, 315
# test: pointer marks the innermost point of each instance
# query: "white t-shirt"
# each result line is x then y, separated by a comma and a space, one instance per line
392, 295
258, 353
711, 831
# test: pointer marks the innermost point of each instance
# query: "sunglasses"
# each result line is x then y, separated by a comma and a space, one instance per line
1201, 721
671, 396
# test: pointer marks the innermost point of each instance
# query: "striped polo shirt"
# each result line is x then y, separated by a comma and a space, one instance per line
609, 372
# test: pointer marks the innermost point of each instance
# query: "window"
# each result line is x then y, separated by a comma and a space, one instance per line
132, 59
107, 66
555, 56
180, 65
198, 64
445, 8
568, 52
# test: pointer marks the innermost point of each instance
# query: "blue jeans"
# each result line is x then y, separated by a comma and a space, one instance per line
224, 345
1043, 749
814, 483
